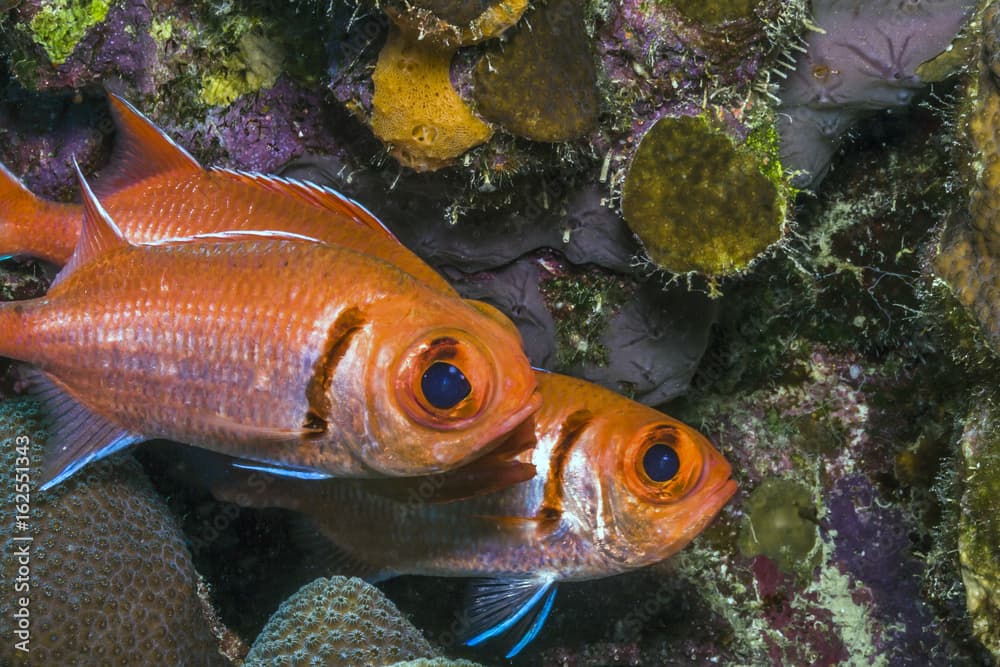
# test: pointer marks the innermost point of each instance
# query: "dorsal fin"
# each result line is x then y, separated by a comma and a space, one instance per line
313, 194
98, 235
141, 151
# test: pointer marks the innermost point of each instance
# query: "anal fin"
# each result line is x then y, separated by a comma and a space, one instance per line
496, 606
77, 436
332, 559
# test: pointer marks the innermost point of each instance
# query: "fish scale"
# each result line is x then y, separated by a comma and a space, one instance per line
269, 346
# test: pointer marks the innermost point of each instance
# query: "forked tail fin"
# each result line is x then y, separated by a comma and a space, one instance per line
32, 226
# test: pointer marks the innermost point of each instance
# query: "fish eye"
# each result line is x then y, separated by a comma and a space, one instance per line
661, 463
444, 385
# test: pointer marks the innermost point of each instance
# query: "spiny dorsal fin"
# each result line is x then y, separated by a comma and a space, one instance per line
98, 235
319, 196
141, 151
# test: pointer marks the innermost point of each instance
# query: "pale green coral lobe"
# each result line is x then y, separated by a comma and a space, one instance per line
781, 524
698, 201
60, 25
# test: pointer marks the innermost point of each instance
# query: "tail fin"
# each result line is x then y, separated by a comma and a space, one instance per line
32, 226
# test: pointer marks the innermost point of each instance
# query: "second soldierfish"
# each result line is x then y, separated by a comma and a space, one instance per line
309, 360
616, 486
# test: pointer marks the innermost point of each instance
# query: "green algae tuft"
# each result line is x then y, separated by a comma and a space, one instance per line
60, 25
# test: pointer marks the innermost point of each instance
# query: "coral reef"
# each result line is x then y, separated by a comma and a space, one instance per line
342, 621
857, 58
851, 390
106, 575
699, 202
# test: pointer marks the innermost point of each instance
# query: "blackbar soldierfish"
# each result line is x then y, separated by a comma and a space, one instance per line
156, 190
312, 360
616, 486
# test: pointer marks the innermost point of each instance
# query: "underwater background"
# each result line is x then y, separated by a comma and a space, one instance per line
775, 221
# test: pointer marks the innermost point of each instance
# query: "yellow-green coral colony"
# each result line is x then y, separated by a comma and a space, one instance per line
697, 201
713, 13
780, 523
60, 25
542, 85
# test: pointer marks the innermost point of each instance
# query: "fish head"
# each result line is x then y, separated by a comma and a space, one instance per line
450, 381
660, 482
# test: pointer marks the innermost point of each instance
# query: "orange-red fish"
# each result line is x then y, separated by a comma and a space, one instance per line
617, 486
156, 190
313, 360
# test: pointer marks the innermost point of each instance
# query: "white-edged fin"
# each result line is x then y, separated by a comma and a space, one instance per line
141, 150
282, 470
495, 606
98, 235
233, 236
313, 194
76, 435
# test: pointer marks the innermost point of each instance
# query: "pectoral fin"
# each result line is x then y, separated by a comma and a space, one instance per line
498, 605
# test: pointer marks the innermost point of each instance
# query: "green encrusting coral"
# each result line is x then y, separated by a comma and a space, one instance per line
713, 13
543, 84
60, 24
979, 525
781, 524
700, 202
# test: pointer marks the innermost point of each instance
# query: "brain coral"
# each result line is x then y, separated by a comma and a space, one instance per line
338, 622
698, 201
111, 580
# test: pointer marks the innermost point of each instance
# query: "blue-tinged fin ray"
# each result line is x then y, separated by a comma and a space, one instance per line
497, 605
537, 622
282, 470
77, 436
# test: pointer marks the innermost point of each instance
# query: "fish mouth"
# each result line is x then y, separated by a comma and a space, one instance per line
531, 406
499, 435
720, 495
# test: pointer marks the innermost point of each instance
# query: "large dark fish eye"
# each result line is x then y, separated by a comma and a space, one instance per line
444, 385
661, 463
